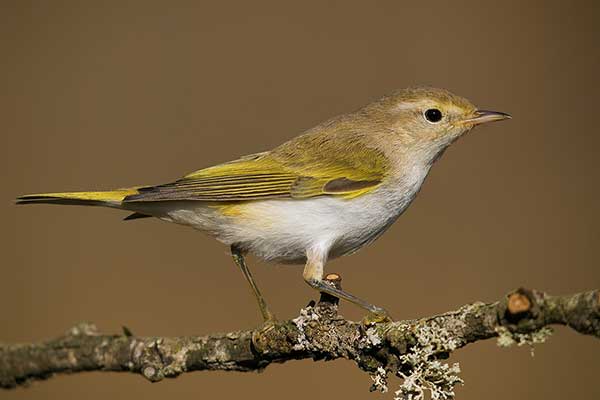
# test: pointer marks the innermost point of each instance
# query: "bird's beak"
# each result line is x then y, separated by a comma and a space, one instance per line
483, 116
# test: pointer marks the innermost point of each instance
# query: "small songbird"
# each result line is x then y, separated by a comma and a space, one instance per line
324, 194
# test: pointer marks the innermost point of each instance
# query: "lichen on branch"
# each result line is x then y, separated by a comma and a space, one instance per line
412, 350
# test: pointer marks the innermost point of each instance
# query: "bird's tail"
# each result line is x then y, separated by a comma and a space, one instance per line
111, 198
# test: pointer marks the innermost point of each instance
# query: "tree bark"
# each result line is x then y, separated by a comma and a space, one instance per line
410, 349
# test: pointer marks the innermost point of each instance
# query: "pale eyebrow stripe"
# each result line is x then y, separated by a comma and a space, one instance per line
424, 104
412, 105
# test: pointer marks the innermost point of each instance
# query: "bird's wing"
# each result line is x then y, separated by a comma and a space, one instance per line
269, 175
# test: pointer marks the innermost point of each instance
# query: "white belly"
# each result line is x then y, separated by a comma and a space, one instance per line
283, 230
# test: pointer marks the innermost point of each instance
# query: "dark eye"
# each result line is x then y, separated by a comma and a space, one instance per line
433, 115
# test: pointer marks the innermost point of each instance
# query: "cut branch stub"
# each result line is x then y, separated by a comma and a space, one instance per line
334, 280
518, 303
519, 306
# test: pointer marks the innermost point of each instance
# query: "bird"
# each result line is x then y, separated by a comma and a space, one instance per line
326, 193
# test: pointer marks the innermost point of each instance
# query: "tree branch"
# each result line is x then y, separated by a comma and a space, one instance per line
410, 349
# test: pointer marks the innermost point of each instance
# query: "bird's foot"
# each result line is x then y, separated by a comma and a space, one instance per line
377, 316
260, 335
269, 322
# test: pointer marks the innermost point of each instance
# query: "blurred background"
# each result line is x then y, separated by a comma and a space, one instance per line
98, 95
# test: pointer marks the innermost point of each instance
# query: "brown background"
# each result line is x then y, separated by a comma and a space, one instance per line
110, 94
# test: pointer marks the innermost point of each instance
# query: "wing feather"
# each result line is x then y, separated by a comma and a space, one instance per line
271, 175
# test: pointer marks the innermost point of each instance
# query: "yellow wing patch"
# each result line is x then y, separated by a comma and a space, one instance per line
235, 181
265, 176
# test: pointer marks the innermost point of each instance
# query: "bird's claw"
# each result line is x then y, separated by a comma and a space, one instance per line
268, 323
376, 317
261, 334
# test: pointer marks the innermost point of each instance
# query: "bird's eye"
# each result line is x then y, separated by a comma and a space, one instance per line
433, 115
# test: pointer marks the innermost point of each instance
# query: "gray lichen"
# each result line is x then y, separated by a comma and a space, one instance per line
83, 328
506, 338
379, 380
421, 370
372, 337
306, 315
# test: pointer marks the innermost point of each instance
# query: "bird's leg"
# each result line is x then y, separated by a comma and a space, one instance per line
238, 258
313, 275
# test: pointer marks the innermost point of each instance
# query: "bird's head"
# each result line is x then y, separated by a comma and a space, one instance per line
429, 118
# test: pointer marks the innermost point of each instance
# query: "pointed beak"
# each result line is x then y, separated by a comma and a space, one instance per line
483, 116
